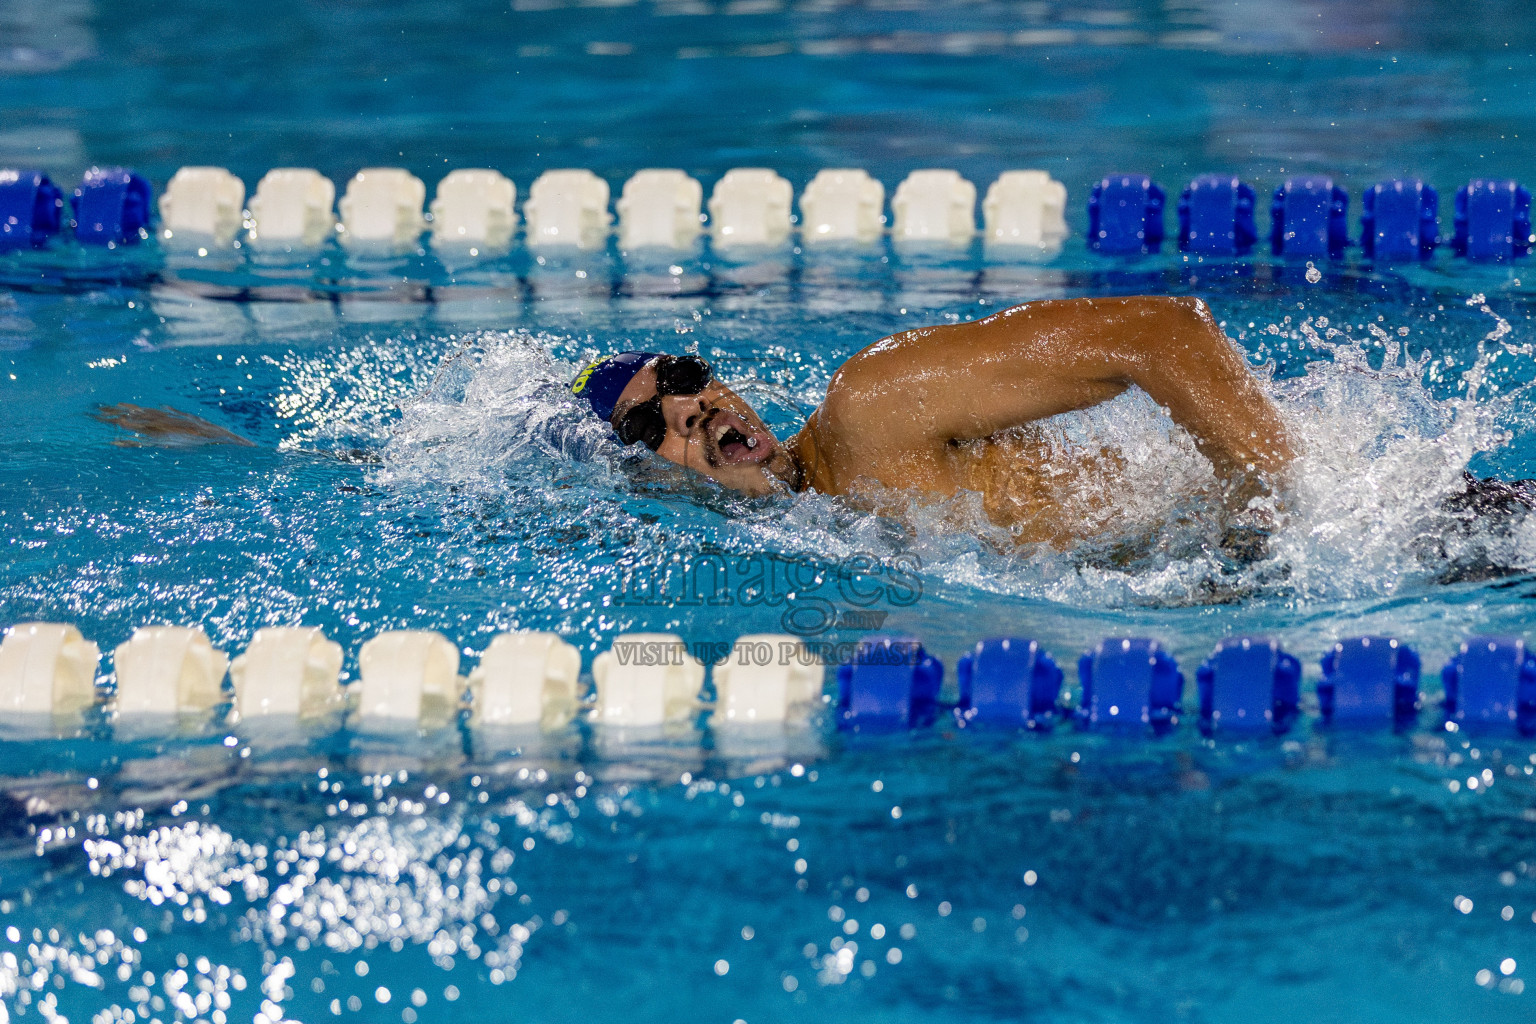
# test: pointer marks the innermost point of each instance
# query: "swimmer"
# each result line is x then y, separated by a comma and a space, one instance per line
940, 410
943, 410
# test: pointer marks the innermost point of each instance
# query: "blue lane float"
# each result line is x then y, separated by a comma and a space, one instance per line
1492, 220
890, 684
1248, 684
1309, 218
1008, 682
31, 209
1368, 681
1129, 683
111, 206
1125, 215
1216, 216
1490, 683
1399, 220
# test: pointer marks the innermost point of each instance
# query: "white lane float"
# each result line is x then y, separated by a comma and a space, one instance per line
934, 206
474, 208
660, 209
202, 206
750, 206
292, 207
168, 671
525, 680
410, 678
382, 209
47, 671
287, 672
646, 679
842, 205
1026, 208
567, 208
766, 679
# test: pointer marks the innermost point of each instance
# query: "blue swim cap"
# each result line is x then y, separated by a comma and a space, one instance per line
601, 382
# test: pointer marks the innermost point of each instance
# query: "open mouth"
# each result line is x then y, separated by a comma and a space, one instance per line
730, 440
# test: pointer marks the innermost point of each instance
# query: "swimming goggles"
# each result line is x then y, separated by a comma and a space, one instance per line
675, 375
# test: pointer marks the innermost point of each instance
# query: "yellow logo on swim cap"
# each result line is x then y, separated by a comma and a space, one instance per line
580, 382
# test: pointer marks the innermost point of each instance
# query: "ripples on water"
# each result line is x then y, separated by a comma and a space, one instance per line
417, 475
971, 878
418, 464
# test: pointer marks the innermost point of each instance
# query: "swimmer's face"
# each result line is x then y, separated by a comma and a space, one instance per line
715, 433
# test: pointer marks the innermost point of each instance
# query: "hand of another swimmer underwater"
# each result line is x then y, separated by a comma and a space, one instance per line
165, 427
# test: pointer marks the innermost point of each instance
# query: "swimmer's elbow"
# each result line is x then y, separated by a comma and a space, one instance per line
1186, 316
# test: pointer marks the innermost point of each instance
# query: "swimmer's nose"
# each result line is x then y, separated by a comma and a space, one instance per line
683, 413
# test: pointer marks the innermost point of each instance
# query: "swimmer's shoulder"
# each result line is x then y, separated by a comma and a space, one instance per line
813, 448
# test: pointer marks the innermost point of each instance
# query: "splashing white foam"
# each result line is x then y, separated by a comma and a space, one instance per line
496, 404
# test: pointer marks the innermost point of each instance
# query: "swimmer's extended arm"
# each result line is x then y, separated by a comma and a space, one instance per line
901, 404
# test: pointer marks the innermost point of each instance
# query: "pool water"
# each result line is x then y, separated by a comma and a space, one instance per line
416, 463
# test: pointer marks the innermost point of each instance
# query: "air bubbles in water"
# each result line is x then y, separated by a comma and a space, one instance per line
1313, 274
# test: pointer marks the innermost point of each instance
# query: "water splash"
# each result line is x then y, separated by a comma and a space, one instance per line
1365, 514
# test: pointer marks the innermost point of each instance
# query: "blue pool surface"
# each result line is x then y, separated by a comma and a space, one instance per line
417, 464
